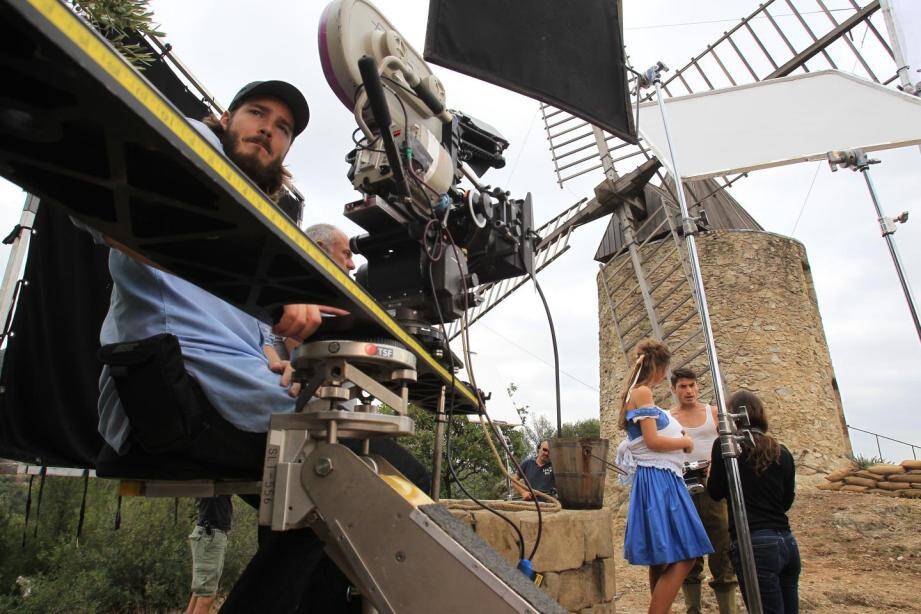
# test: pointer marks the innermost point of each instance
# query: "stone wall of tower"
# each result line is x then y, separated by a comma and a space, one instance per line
769, 339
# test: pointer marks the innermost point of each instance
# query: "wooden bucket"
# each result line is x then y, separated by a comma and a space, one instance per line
578, 470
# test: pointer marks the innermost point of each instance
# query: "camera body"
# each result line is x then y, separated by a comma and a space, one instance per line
429, 241
695, 476
491, 231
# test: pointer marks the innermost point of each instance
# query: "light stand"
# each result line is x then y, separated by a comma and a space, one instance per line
20, 247
857, 160
728, 442
441, 421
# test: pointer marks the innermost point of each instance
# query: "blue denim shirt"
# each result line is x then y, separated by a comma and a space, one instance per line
221, 345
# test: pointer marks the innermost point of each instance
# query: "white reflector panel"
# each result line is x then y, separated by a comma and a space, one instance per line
780, 121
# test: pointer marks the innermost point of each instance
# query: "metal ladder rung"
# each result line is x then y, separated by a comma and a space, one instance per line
688, 361
681, 323
580, 173
677, 306
629, 312
579, 161
665, 278
556, 146
655, 249
573, 151
562, 121
635, 323
566, 131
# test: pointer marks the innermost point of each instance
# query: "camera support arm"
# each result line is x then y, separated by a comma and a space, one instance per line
403, 551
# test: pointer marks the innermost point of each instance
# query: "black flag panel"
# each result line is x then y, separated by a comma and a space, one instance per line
567, 53
50, 373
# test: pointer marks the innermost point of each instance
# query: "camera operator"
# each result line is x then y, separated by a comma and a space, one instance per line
699, 422
768, 484
186, 391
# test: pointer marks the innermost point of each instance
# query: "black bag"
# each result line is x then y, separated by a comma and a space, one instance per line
164, 404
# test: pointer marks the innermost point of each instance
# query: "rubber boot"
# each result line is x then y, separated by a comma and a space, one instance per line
691, 597
726, 599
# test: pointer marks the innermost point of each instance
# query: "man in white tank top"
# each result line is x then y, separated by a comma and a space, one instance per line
700, 424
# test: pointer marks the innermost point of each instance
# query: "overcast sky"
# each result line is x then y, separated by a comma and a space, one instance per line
874, 349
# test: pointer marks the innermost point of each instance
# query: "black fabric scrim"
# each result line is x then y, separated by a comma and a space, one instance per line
567, 53
50, 372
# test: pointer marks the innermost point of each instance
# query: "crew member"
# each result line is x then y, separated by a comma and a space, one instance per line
699, 422
539, 473
768, 476
186, 391
277, 348
208, 543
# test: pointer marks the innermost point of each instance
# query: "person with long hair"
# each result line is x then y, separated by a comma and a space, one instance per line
768, 484
663, 530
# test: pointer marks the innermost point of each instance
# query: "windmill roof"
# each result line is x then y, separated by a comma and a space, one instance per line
707, 197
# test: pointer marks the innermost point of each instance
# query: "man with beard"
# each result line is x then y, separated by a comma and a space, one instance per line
186, 391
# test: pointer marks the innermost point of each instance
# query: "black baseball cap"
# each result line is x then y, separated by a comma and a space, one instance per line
281, 90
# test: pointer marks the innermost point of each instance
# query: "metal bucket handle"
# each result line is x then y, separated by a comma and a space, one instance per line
587, 451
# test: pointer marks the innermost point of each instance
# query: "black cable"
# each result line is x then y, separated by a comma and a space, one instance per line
86, 484
118, 513
38, 504
450, 415
482, 406
358, 142
25, 524
556, 357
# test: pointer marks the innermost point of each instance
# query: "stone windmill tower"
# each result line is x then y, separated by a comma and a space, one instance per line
767, 325
766, 320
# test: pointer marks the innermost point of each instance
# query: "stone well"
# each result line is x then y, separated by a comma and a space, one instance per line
575, 554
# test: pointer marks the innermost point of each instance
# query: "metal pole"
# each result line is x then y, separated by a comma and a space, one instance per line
887, 228
17, 255
440, 420
879, 449
727, 443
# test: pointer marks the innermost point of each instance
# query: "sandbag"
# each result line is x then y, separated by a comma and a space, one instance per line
857, 481
894, 485
830, 485
838, 474
910, 494
854, 488
886, 469
905, 477
911, 464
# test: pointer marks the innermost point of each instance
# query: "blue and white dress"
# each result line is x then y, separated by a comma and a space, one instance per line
662, 524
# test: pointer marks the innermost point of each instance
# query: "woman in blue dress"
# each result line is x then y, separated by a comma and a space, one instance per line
664, 530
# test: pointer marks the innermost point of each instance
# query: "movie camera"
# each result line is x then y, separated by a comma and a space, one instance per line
429, 241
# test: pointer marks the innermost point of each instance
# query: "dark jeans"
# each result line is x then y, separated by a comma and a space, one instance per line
778, 566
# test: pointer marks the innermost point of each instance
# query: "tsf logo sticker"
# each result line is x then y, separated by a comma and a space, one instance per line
372, 349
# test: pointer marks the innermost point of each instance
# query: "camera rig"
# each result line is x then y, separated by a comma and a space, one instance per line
429, 241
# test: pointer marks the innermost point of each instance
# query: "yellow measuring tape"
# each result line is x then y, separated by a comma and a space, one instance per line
88, 41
